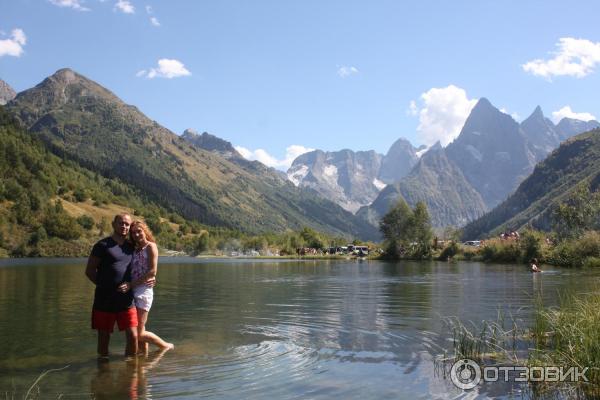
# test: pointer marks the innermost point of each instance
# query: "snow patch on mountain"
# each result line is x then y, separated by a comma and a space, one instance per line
297, 174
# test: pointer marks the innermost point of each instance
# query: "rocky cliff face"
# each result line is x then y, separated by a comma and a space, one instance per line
211, 143
6, 93
540, 133
346, 177
398, 161
438, 182
492, 153
568, 127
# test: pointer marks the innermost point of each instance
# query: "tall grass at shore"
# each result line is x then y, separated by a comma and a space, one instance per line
569, 335
492, 340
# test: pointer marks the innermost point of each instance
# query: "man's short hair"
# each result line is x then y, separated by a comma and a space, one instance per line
121, 216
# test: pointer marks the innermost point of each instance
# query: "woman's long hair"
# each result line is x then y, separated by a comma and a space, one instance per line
147, 231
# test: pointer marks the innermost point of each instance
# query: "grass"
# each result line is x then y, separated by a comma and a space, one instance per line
569, 335
32, 393
490, 341
564, 336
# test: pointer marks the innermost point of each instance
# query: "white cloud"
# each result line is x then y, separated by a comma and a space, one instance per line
443, 114
346, 71
14, 45
291, 153
575, 57
149, 9
74, 4
154, 21
167, 68
125, 7
566, 112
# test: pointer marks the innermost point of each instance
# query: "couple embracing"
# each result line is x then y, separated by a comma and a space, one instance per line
123, 267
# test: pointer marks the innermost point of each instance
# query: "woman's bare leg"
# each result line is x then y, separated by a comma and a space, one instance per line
146, 337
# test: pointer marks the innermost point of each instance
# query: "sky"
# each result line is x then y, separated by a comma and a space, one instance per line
278, 78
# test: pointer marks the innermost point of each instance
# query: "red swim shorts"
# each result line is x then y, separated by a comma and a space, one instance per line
105, 321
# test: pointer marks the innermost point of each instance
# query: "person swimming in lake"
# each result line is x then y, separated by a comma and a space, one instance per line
533, 263
143, 267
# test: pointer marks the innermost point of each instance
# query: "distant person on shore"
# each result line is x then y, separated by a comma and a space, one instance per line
143, 268
534, 265
108, 267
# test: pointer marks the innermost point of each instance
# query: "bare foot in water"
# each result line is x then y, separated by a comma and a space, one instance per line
169, 346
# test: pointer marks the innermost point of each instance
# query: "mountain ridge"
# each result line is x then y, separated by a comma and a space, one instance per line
81, 120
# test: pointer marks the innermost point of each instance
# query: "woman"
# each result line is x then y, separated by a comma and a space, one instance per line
143, 267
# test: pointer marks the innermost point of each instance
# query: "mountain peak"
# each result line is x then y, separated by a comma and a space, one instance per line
483, 109
537, 114
210, 142
6, 93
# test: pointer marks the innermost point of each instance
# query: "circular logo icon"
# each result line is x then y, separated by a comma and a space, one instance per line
465, 374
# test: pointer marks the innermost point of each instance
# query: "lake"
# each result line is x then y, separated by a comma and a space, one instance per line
265, 329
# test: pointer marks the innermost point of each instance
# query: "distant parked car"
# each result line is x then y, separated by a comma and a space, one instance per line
475, 243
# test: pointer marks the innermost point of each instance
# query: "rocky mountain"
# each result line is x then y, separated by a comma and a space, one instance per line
80, 120
492, 153
346, 177
211, 143
6, 93
568, 127
576, 162
398, 161
541, 134
437, 181
487, 161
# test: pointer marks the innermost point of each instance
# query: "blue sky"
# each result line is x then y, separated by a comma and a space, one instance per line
279, 77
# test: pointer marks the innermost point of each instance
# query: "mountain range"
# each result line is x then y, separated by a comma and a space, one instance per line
352, 179
203, 177
80, 120
574, 164
490, 157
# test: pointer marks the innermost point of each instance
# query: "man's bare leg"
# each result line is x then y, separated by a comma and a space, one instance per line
103, 341
132, 341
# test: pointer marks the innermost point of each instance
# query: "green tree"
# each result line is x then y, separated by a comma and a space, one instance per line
407, 232
395, 227
422, 231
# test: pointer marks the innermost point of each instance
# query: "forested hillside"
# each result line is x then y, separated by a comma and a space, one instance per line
82, 121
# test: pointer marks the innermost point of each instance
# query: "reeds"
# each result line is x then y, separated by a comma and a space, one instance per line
497, 340
569, 335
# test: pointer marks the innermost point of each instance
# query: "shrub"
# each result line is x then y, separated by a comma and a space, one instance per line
80, 195
86, 222
573, 253
449, 251
531, 244
501, 251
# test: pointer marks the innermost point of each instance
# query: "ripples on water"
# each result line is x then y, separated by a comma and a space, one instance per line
264, 329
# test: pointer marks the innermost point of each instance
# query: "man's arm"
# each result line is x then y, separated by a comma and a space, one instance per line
92, 268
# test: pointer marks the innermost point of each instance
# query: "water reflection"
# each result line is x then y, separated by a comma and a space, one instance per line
124, 379
266, 329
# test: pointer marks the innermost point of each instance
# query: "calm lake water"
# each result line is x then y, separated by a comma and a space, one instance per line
263, 329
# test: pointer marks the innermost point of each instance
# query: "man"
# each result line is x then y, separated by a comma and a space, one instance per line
108, 268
